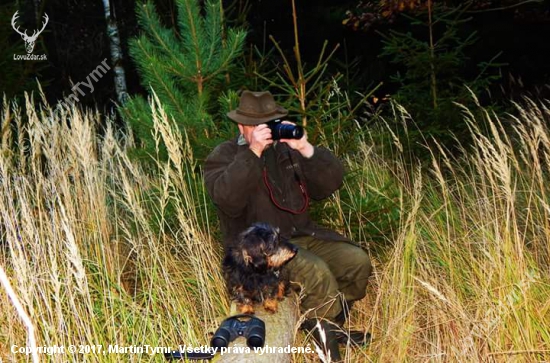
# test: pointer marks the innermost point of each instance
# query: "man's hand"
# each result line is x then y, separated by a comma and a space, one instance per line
260, 138
301, 145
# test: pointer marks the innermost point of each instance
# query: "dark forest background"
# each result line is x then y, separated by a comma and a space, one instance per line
509, 37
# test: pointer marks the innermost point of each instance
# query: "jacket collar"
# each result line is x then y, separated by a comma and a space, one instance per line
241, 141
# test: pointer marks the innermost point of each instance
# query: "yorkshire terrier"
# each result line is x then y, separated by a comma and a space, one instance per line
252, 268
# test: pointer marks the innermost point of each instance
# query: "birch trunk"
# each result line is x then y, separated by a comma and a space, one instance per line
116, 54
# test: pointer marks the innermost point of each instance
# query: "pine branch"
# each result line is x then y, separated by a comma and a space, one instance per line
164, 39
185, 69
213, 36
191, 25
229, 53
154, 76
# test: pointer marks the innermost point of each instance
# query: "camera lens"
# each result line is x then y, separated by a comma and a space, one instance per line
286, 131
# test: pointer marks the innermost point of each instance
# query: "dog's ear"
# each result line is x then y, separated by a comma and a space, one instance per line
246, 258
240, 257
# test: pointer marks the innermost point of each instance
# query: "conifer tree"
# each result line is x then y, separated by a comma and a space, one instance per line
184, 68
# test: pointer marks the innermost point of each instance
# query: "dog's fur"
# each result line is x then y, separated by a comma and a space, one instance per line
251, 268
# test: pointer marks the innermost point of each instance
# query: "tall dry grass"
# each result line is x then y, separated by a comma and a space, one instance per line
466, 276
100, 251
85, 241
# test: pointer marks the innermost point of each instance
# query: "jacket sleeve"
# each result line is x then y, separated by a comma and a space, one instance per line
324, 173
230, 176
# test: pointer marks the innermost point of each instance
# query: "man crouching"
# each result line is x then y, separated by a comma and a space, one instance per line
260, 176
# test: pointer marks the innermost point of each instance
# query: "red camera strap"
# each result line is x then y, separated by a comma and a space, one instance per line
302, 186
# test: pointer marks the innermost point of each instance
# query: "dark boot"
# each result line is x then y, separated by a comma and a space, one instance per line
353, 337
329, 345
344, 336
341, 318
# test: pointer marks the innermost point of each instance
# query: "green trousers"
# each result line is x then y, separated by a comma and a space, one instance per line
327, 272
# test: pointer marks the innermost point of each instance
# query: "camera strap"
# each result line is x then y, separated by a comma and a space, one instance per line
271, 155
177, 355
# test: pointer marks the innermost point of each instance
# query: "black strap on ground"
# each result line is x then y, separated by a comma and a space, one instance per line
176, 355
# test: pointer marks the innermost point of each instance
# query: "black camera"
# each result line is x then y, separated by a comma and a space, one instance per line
279, 130
244, 325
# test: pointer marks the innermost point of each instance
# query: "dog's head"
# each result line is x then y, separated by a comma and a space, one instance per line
261, 247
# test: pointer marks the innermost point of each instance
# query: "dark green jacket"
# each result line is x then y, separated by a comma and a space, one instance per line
235, 180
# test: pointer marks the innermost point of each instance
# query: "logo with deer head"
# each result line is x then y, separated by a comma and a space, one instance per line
29, 40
